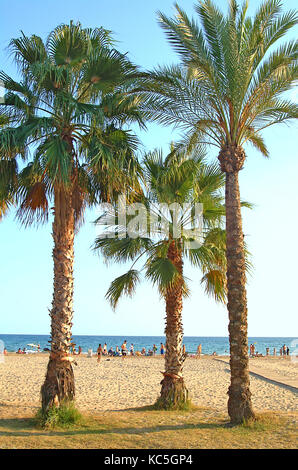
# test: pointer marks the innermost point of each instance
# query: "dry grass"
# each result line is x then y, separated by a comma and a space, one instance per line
145, 428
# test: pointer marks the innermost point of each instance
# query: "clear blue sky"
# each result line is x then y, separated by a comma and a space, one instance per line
271, 228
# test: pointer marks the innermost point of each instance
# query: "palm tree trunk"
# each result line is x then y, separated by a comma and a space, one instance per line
59, 381
239, 403
174, 394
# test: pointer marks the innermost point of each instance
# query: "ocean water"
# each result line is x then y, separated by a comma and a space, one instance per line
220, 345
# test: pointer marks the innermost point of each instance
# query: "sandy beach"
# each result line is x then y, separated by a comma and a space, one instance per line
117, 384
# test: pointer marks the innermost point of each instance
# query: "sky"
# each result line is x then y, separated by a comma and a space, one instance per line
270, 229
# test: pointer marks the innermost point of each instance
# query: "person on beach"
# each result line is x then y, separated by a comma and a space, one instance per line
288, 351
184, 350
105, 349
143, 352
5, 352
154, 349
280, 352
131, 349
284, 350
124, 349
38, 348
79, 350
199, 351
162, 349
117, 352
110, 352
99, 352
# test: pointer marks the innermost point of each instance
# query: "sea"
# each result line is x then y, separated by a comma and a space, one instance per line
210, 344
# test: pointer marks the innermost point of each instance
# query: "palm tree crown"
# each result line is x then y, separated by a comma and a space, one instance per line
69, 108
173, 180
231, 86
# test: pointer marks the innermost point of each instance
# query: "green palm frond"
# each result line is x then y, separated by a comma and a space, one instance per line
67, 44
8, 177
121, 250
257, 141
214, 282
28, 51
162, 273
56, 158
122, 285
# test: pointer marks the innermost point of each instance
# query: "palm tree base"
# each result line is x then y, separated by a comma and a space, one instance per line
239, 405
58, 386
173, 395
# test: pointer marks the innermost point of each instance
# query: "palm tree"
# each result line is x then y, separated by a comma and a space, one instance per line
228, 89
68, 111
171, 181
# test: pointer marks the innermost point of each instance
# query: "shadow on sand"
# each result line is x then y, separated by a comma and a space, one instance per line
23, 427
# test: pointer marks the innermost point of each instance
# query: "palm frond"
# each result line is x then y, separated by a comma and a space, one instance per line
162, 272
122, 285
214, 282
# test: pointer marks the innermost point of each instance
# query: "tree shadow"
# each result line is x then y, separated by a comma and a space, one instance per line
22, 427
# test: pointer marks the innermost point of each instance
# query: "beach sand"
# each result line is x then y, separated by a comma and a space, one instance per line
117, 384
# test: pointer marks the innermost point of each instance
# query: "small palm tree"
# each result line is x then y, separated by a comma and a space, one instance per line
171, 181
228, 89
68, 111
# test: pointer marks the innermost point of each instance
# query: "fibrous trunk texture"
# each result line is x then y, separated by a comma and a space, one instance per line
59, 381
174, 393
239, 402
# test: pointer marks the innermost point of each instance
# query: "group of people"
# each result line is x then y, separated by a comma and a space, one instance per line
24, 350
284, 351
124, 351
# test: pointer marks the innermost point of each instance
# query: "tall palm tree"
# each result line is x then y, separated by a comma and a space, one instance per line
68, 111
229, 88
165, 246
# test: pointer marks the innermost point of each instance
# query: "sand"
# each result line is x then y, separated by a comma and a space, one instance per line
117, 384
